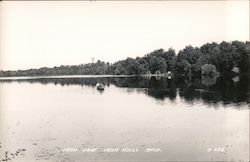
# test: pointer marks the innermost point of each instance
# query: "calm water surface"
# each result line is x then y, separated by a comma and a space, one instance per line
187, 119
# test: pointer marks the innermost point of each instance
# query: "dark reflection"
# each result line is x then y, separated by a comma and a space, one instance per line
225, 90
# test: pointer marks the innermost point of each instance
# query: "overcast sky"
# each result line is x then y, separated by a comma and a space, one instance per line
44, 33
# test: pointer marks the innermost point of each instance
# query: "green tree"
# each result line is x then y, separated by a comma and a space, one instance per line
208, 69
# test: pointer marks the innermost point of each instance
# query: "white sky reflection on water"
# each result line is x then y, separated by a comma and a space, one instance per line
44, 119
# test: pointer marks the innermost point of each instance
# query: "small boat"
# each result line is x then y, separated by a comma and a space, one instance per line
99, 86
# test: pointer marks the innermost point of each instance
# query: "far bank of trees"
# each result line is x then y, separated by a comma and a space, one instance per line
209, 59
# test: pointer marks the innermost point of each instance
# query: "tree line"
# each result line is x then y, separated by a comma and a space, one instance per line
209, 59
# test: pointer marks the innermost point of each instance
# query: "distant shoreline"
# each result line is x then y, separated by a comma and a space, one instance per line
63, 76
78, 76
211, 59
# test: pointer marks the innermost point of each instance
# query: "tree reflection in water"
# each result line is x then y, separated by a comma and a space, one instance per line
210, 91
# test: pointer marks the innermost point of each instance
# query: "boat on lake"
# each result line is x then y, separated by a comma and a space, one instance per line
99, 86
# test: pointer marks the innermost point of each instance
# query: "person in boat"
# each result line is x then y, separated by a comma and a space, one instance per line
100, 86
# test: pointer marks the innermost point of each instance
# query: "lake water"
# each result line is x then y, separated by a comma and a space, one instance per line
175, 119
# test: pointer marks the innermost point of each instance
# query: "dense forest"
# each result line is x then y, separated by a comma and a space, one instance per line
210, 59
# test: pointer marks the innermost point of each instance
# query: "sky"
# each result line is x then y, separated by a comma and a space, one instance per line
36, 34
